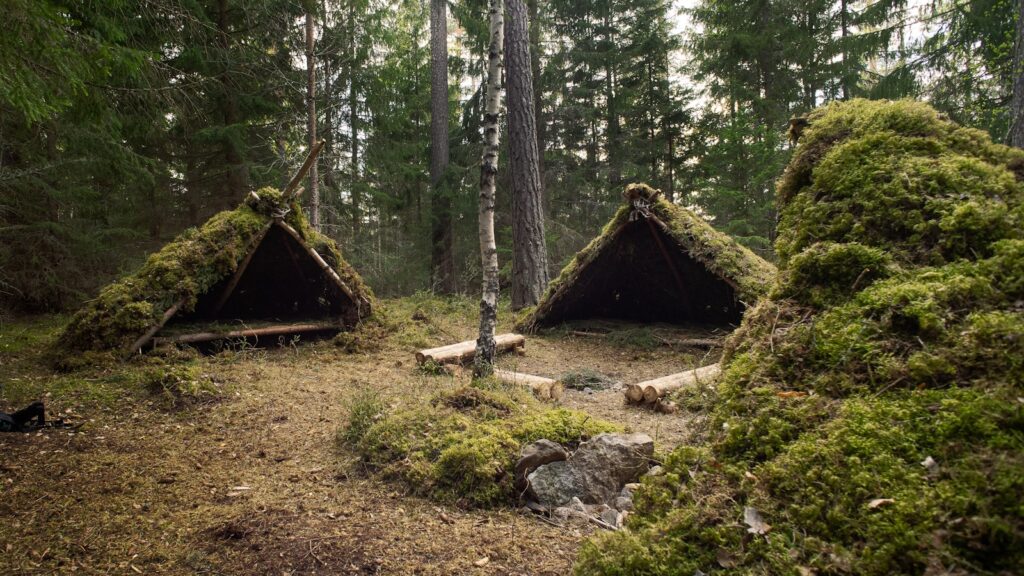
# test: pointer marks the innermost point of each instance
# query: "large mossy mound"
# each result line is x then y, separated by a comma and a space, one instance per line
185, 269
872, 406
462, 447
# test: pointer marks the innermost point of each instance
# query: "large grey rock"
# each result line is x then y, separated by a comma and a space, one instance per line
554, 484
607, 462
595, 473
535, 455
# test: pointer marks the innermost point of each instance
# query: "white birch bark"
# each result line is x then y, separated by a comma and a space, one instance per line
483, 364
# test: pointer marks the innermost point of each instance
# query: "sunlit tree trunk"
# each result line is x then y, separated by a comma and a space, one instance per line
529, 253
442, 260
314, 188
484, 360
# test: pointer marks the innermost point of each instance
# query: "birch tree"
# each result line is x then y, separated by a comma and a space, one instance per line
483, 364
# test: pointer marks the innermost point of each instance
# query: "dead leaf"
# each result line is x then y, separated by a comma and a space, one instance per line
725, 559
880, 502
482, 562
750, 476
791, 394
753, 519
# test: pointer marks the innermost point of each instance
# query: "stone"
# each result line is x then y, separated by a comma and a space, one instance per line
610, 517
554, 484
607, 462
623, 503
535, 455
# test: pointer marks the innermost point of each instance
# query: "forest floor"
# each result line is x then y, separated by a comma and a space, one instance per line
256, 482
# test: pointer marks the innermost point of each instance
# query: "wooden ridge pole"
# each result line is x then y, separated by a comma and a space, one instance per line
289, 190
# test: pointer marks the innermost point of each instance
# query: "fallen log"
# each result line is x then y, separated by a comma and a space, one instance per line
464, 351
543, 388
652, 390
278, 330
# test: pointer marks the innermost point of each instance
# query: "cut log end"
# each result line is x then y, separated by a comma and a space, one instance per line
652, 391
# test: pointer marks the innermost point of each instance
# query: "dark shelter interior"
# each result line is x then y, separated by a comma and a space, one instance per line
281, 283
644, 276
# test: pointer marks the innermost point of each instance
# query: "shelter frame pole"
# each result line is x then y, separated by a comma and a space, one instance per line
323, 264
145, 338
237, 277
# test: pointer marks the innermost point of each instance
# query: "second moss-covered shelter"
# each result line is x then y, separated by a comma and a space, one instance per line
258, 271
655, 262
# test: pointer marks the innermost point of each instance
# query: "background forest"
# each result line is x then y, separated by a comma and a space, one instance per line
124, 122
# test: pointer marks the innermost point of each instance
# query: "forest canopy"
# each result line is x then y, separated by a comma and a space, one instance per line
124, 123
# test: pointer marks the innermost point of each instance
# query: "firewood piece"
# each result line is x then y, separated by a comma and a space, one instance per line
655, 389
543, 388
634, 393
464, 351
277, 330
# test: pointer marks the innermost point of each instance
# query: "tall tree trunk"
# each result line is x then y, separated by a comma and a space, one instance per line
538, 102
237, 176
328, 132
1016, 135
353, 104
442, 259
314, 188
844, 25
670, 188
483, 364
529, 252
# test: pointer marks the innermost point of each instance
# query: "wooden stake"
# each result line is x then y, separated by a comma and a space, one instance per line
297, 179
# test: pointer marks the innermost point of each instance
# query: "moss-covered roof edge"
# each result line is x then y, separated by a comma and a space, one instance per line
749, 274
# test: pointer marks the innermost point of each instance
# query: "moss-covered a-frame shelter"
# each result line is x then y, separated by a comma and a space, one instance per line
256, 271
655, 262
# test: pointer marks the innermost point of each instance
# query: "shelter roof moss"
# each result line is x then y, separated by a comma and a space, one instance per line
750, 274
186, 268
869, 407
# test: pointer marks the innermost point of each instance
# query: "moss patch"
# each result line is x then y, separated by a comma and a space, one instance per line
870, 409
462, 446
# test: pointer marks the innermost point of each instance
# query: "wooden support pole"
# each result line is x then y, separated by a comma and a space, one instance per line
289, 190
465, 351
323, 265
145, 338
543, 388
237, 276
277, 330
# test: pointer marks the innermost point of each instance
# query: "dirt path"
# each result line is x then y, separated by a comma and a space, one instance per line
257, 484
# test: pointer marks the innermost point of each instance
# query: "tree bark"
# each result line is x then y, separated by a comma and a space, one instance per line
353, 104
529, 252
1016, 135
237, 174
483, 364
538, 102
442, 259
314, 188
